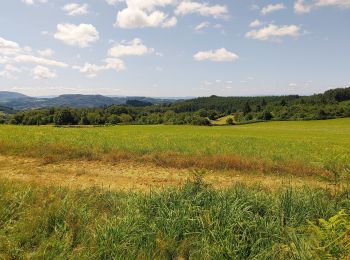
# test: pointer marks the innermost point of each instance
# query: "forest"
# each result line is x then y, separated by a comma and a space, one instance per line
331, 104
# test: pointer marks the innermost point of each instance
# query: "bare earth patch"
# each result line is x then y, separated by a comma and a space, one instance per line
80, 174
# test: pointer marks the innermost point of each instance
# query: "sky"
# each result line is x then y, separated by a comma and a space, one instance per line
174, 48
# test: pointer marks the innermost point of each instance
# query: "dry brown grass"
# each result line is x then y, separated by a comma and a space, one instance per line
131, 175
59, 152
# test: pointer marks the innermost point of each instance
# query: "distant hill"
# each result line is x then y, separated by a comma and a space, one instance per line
6, 95
6, 110
19, 101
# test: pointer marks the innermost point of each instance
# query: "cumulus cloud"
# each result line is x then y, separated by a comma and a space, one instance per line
113, 2
132, 48
149, 4
274, 32
7, 75
74, 9
113, 61
32, 2
3, 60
204, 9
12, 53
39, 60
140, 14
255, 23
338, 3
146, 13
81, 35
8, 71
41, 72
46, 52
115, 64
219, 55
12, 68
272, 8
300, 7
91, 70
9, 47
138, 18
304, 6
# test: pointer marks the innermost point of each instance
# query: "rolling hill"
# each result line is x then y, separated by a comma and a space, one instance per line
18, 101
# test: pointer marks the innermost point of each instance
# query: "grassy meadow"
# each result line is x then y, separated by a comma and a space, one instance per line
193, 222
190, 221
274, 146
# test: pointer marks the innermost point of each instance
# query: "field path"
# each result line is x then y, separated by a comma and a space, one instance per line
78, 174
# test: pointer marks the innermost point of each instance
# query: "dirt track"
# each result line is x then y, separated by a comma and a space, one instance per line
128, 176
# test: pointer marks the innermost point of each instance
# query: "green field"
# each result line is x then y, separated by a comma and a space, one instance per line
312, 143
42, 218
193, 222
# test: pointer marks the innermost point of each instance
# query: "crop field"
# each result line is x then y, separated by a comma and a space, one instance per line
253, 191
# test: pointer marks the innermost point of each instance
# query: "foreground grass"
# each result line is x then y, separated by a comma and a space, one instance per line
195, 221
274, 146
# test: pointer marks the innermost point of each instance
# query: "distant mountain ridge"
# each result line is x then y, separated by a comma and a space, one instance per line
19, 101
7, 95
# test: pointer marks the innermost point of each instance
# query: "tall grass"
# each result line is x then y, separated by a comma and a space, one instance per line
195, 221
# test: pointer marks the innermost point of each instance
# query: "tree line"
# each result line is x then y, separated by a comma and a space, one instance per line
200, 111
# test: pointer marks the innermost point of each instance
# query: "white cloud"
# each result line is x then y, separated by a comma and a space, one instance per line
74, 9
113, 2
132, 48
204, 9
3, 60
39, 60
81, 35
7, 75
255, 23
338, 3
9, 47
115, 64
144, 13
46, 53
8, 71
91, 70
113, 61
149, 4
292, 84
40, 72
31, 2
138, 18
274, 32
202, 26
272, 8
303, 6
11, 53
12, 68
219, 55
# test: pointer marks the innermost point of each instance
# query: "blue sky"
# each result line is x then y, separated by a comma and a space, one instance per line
174, 47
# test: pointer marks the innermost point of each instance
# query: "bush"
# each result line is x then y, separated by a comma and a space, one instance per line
114, 119
64, 117
230, 121
203, 121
